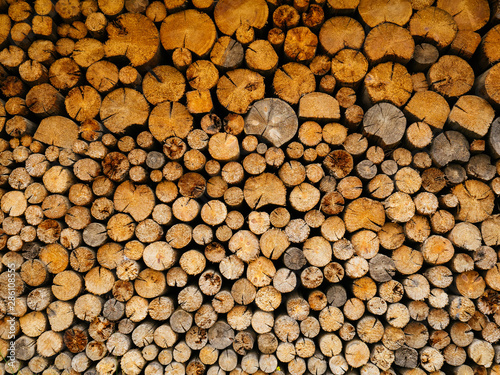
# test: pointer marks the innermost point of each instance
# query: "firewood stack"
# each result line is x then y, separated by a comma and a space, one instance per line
243, 187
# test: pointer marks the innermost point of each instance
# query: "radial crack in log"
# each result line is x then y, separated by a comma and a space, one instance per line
263, 190
273, 119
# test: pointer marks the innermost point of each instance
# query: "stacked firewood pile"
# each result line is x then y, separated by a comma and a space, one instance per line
243, 187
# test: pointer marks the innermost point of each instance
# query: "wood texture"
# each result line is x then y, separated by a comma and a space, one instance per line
243, 187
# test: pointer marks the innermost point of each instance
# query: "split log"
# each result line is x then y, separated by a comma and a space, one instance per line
319, 107
428, 107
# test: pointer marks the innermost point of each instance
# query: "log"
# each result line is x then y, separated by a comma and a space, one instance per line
229, 16
397, 12
478, 15
428, 107
471, 106
341, 32
126, 39
444, 82
300, 44
488, 53
293, 80
273, 119
400, 49
227, 53
349, 67
471, 209
387, 82
465, 44
379, 122
123, 108
239, 88
449, 146
433, 25
163, 83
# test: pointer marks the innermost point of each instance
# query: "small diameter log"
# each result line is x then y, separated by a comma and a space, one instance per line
349, 67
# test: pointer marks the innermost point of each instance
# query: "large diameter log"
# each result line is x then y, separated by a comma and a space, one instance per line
385, 123
388, 41
293, 80
449, 146
229, 15
476, 201
135, 37
341, 32
429, 107
364, 213
138, 201
273, 119
472, 116
486, 85
489, 53
451, 76
239, 88
387, 82
188, 29
123, 108
378, 11
264, 189
57, 130
45, 100
163, 83
469, 15
433, 25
